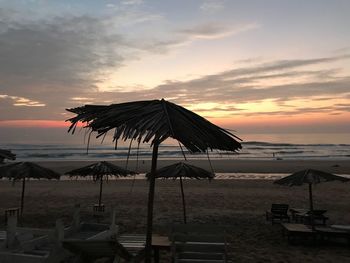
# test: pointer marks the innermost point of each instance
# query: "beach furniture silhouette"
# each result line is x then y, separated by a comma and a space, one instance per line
302, 233
278, 212
304, 216
198, 243
88, 251
309, 177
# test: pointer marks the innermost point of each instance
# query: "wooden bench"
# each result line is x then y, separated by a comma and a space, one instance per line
198, 243
279, 212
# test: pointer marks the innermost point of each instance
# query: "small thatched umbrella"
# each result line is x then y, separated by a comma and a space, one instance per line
310, 177
100, 170
183, 170
26, 170
6, 154
154, 121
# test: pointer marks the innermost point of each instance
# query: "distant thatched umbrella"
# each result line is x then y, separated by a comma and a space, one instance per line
182, 170
6, 154
98, 171
154, 121
310, 177
26, 170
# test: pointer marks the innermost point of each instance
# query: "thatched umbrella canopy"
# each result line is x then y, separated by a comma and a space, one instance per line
182, 170
6, 154
154, 121
99, 171
26, 170
310, 177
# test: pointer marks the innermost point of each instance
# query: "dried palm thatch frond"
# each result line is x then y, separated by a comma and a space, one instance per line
25, 170
183, 170
310, 177
20, 170
154, 121
6, 154
98, 171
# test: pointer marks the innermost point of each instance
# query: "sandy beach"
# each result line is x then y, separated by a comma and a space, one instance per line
241, 204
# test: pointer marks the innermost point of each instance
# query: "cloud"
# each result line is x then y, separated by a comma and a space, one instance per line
21, 101
132, 2
212, 6
215, 30
58, 63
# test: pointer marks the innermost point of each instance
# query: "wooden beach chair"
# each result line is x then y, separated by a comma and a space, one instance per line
279, 212
198, 243
88, 251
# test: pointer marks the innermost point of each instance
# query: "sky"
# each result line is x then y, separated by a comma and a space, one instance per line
256, 67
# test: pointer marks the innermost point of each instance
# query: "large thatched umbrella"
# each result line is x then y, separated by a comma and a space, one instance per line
100, 170
182, 170
154, 121
6, 154
310, 177
26, 170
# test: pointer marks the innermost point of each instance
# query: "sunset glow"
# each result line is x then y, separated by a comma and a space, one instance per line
225, 60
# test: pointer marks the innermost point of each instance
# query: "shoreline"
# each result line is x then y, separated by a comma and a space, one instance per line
219, 165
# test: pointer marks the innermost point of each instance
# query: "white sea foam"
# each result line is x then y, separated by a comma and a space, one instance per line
251, 151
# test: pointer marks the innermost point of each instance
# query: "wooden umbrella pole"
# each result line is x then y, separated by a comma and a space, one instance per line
311, 207
100, 198
148, 252
183, 200
22, 197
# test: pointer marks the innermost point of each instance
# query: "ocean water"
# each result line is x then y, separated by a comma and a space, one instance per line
252, 150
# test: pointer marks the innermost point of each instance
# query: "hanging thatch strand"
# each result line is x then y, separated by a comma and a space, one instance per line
100, 169
154, 121
183, 170
19, 170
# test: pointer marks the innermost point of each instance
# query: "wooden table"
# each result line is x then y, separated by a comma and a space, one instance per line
158, 243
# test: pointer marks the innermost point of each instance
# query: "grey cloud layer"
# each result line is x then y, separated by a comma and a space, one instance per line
53, 61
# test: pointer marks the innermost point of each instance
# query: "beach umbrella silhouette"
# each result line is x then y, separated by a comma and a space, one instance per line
24, 171
153, 122
6, 154
310, 177
99, 171
182, 170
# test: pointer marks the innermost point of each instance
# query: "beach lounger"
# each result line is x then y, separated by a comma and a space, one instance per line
331, 233
279, 212
298, 232
198, 243
88, 251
